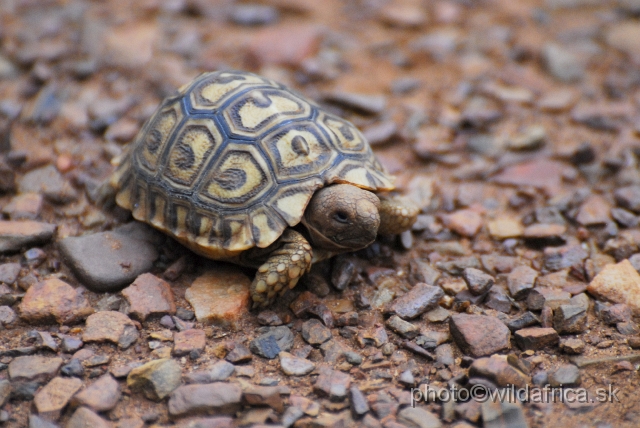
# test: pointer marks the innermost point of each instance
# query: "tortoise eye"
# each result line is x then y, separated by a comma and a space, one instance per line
341, 217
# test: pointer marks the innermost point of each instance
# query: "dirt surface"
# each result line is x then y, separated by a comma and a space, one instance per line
513, 125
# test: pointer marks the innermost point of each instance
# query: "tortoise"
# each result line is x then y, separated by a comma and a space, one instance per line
239, 168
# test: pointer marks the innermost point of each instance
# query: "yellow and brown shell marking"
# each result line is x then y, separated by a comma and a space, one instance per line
232, 160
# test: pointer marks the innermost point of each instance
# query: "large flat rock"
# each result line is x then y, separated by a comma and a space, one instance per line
107, 261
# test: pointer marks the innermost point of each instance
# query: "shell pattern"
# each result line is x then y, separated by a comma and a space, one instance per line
233, 159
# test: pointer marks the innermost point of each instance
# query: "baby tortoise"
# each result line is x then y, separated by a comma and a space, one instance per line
239, 168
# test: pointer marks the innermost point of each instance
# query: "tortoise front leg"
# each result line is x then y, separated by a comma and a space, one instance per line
397, 214
289, 259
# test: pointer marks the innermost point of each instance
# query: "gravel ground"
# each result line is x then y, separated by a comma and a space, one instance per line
513, 125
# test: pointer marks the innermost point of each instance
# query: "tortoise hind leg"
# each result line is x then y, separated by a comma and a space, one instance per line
289, 259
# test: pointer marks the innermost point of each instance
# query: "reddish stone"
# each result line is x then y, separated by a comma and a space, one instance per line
130, 45
53, 398
214, 398
403, 15
101, 396
33, 367
149, 295
220, 296
498, 370
332, 383
15, 235
544, 231
256, 395
465, 222
189, 341
619, 283
53, 300
109, 326
284, 44
84, 417
542, 174
536, 338
595, 210
479, 335
25, 206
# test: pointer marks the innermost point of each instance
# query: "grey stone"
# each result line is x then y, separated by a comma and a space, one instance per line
220, 370
616, 314
157, 378
314, 332
15, 235
570, 319
524, 320
368, 104
566, 375
478, 282
628, 328
403, 328
239, 354
9, 273
499, 414
50, 183
359, 404
439, 314
406, 378
353, 358
71, 344
629, 197
295, 366
291, 415
36, 421
101, 396
540, 297
541, 378
332, 383
8, 316
107, 261
254, 14
557, 258
562, 63
272, 342
444, 354
581, 300
498, 300
498, 371
83, 417
214, 398
33, 367
420, 299
422, 271
417, 416
520, 281
73, 368
5, 391
624, 218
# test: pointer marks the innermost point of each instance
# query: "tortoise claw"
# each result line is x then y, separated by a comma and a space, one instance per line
290, 259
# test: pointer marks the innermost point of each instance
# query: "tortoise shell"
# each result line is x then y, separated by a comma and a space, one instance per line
233, 159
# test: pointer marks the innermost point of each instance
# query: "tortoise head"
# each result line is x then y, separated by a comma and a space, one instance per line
342, 217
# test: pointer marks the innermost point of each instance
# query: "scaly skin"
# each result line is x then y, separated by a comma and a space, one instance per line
397, 214
361, 215
289, 260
